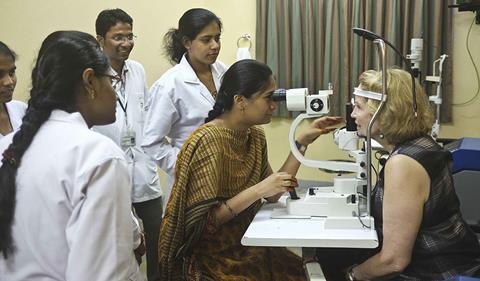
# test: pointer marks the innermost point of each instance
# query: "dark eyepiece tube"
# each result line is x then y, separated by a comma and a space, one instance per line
279, 95
351, 126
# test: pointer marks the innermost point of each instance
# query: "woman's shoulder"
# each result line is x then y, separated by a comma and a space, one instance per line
98, 144
208, 133
429, 154
213, 135
424, 150
178, 71
258, 131
76, 137
171, 79
94, 150
205, 141
220, 67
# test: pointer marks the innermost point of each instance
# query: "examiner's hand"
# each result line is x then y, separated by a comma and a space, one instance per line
320, 126
276, 183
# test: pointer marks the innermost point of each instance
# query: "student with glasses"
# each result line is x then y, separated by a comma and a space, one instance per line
114, 33
183, 96
11, 111
65, 192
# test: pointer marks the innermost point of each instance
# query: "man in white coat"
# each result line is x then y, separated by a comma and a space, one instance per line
114, 33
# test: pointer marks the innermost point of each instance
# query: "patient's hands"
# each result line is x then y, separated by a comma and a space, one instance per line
276, 183
318, 127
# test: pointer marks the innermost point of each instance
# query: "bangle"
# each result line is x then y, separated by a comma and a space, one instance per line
302, 148
230, 209
350, 275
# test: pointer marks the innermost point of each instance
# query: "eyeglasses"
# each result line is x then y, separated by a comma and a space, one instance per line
119, 38
112, 77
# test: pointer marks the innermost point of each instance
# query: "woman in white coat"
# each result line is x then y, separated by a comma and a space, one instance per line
65, 191
11, 111
181, 99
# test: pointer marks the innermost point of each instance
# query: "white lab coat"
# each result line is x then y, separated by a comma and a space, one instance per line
72, 218
142, 168
16, 110
179, 104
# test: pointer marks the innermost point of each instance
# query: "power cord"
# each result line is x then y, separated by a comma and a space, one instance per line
468, 102
358, 213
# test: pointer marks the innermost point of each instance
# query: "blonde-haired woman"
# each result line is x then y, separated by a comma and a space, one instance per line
421, 231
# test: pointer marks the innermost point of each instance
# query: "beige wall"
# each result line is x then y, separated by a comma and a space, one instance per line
25, 23
465, 118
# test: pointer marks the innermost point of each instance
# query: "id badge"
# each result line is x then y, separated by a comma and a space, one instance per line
128, 138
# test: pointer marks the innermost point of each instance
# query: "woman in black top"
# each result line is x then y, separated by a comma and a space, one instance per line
421, 231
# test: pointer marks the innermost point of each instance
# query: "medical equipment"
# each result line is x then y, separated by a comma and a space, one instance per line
342, 203
437, 99
300, 100
367, 34
415, 57
466, 175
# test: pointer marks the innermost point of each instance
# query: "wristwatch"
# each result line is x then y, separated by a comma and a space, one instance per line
350, 276
301, 148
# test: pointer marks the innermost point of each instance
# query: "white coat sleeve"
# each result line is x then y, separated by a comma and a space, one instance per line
146, 94
99, 232
137, 232
161, 114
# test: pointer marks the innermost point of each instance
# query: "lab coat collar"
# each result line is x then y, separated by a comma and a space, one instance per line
63, 116
123, 77
191, 76
125, 69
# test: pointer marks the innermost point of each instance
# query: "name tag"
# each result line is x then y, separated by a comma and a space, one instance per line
128, 138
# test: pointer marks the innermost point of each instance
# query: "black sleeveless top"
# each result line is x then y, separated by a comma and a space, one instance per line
445, 245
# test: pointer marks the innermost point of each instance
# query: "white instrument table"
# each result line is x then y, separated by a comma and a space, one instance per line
302, 232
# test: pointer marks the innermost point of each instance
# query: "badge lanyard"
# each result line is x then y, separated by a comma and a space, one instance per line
122, 96
127, 134
124, 108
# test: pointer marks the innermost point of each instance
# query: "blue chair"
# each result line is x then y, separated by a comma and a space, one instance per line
463, 278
